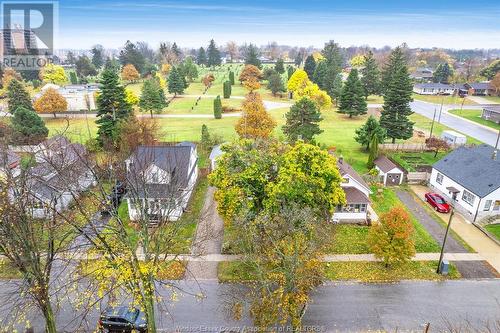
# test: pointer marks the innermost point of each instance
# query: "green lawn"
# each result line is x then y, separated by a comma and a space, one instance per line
475, 116
346, 239
8, 271
376, 271
375, 99
494, 99
188, 105
410, 161
494, 229
443, 99
388, 199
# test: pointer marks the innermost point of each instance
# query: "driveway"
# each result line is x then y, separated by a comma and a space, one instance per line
208, 240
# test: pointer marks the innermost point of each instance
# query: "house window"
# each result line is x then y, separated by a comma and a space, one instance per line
497, 206
468, 197
439, 178
487, 205
155, 178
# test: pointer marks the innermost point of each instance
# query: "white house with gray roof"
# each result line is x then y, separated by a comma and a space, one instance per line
474, 172
160, 181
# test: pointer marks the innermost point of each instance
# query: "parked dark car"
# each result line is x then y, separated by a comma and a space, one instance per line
122, 319
438, 202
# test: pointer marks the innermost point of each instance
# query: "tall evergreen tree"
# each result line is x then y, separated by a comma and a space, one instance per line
177, 51
289, 72
352, 99
335, 89
231, 78
112, 106
442, 73
371, 76
280, 66
213, 52
275, 84
131, 55
302, 121
334, 62
18, 96
373, 152
226, 89
217, 108
205, 137
201, 57
98, 56
152, 97
310, 66
320, 76
252, 56
176, 82
28, 127
396, 60
397, 98
365, 133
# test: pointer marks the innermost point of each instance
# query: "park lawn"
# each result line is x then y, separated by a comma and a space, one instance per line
376, 271
135, 87
8, 270
188, 105
494, 99
375, 99
494, 229
445, 99
475, 116
76, 129
410, 161
388, 199
424, 123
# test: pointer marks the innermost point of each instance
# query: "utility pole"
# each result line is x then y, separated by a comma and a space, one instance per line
441, 109
432, 124
452, 204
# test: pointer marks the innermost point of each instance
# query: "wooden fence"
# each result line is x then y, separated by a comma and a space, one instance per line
410, 147
417, 177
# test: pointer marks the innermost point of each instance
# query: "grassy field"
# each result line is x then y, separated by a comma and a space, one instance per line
347, 239
188, 105
494, 99
494, 229
475, 116
443, 99
424, 123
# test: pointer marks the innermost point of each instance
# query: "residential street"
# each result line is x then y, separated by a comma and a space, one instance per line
339, 307
478, 132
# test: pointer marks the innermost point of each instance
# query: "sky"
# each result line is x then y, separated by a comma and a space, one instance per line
453, 24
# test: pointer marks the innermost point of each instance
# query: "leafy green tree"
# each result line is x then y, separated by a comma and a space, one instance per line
213, 52
28, 127
231, 78
275, 84
302, 121
217, 108
280, 66
373, 152
55, 74
310, 66
227, 89
352, 100
176, 84
84, 67
442, 73
491, 70
18, 96
130, 54
189, 69
392, 238
397, 97
152, 97
97, 56
252, 56
201, 57
371, 76
371, 128
112, 107
73, 78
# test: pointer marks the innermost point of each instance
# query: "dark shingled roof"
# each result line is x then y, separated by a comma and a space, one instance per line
473, 168
346, 169
384, 163
355, 196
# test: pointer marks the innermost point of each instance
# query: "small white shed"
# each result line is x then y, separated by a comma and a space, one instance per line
453, 138
390, 174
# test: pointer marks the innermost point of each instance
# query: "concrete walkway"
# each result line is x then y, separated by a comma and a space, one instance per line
207, 242
481, 243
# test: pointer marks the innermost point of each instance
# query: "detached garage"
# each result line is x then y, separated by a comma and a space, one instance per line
388, 171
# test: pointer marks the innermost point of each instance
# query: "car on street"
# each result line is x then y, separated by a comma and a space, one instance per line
122, 319
438, 202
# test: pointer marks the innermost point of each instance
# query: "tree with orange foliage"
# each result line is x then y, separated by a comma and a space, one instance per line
250, 72
129, 73
255, 122
392, 238
208, 79
50, 102
251, 84
9, 74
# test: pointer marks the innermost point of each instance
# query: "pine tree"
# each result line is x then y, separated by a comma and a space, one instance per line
352, 100
152, 97
310, 66
252, 56
442, 73
112, 106
73, 78
217, 108
205, 137
18, 96
280, 66
176, 50
231, 78
373, 152
365, 133
201, 57
275, 84
320, 76
130, 55
396, 60
302, 121
28, 127
214, 58
290, 72
371, 76
335, 90
397, 98
176, 82
227, 89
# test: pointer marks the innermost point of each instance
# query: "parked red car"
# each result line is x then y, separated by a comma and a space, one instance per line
438, 202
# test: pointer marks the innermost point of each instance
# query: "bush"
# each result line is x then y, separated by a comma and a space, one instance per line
93, 145
227, 89
73, 78
217, 108
231, 77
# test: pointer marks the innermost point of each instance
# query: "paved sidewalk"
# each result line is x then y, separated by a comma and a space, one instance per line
484, 246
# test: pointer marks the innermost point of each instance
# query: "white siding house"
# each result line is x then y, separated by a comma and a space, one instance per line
475, 174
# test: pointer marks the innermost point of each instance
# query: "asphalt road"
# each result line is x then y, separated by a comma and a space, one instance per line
340, 307
476, 131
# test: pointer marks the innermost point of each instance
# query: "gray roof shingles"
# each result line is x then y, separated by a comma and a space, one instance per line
473, 168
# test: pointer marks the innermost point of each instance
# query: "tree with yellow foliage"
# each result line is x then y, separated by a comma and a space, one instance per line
250, 72
165, 69
252, 84
357, 60
50, 102
255, 122
300, 86
55, 74
9, 74
130, 73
